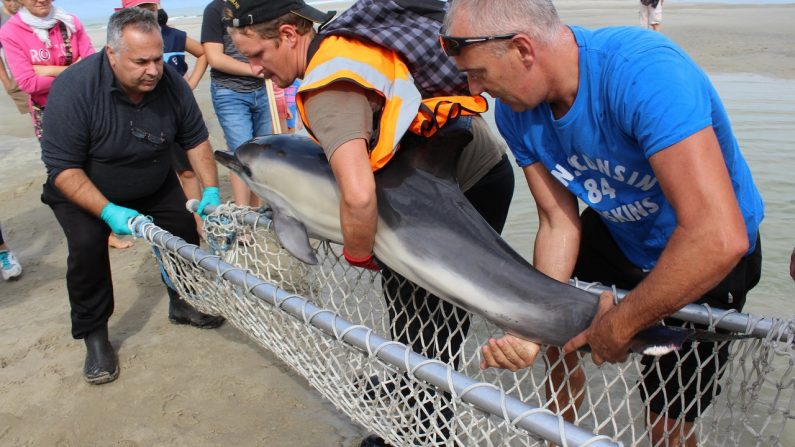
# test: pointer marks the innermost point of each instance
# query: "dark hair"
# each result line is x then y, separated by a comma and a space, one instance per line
140, 19
162, 17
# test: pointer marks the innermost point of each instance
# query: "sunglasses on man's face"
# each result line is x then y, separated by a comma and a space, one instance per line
452, 45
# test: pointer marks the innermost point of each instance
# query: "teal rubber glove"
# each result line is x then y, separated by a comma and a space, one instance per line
117, 218
210, 196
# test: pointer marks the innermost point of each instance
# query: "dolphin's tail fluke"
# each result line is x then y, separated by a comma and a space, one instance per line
660, 340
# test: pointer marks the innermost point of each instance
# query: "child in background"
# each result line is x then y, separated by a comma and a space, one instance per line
281, 107
289, 96
176, 43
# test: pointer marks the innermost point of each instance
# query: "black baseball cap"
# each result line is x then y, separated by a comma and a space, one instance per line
249, 12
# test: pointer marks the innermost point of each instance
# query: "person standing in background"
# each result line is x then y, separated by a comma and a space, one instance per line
239, 98
651, 14
176, 43
40, 42
20, 98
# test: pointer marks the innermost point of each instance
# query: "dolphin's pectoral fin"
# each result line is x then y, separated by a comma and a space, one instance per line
292, 234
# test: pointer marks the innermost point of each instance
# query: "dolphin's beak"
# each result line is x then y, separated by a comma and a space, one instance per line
232, 162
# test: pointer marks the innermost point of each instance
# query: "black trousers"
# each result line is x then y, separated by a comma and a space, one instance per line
434, 327
88, 274
426, 323
601, 260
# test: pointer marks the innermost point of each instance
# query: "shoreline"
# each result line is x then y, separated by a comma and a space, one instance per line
721, 37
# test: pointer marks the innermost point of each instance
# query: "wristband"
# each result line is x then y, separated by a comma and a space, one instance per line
368, 262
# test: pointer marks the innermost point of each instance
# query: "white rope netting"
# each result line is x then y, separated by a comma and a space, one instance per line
752, 394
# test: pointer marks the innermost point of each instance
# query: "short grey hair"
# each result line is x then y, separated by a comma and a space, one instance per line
537, 18
140, 19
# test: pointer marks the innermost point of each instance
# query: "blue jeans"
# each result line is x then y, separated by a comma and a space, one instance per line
242, 115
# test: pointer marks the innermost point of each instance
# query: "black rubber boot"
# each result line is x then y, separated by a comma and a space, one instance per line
180, 312
101, 364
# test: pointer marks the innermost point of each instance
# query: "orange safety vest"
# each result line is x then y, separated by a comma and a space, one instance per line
378, 69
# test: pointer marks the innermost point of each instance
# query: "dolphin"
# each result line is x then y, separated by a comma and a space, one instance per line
428, 232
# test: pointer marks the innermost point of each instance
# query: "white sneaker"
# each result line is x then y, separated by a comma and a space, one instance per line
9, 265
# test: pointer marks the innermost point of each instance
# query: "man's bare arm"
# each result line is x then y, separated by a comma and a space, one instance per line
223, 62
707, 242
358, 208
196, 49
203, 163
555, 254
75, 185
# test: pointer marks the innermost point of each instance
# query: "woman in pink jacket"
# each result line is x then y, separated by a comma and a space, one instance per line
40, 42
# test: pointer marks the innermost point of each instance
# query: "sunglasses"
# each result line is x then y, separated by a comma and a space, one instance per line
146, 136
452, 45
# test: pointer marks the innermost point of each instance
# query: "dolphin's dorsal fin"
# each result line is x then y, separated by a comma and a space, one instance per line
437, 155
292, 234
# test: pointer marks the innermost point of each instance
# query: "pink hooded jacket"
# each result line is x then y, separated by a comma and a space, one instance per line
24, 50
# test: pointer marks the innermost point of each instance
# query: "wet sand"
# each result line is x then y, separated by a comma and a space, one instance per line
183, 386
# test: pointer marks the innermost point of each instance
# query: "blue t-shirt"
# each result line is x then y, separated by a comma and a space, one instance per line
638, 93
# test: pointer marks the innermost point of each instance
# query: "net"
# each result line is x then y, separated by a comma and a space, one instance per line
405, 365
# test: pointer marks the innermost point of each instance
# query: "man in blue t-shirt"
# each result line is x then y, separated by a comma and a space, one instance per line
623, 120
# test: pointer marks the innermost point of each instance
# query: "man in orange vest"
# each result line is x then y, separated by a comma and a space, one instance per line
369, 77
337, 104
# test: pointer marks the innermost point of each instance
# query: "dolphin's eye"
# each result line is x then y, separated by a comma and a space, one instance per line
281, 153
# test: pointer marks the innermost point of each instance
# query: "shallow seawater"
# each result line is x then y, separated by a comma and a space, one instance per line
762, 112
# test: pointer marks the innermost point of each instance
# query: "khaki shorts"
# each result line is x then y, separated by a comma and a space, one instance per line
20, 99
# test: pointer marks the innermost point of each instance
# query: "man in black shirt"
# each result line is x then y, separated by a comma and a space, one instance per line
111, 120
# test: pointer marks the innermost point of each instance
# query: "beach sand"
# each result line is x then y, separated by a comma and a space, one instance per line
183, 386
